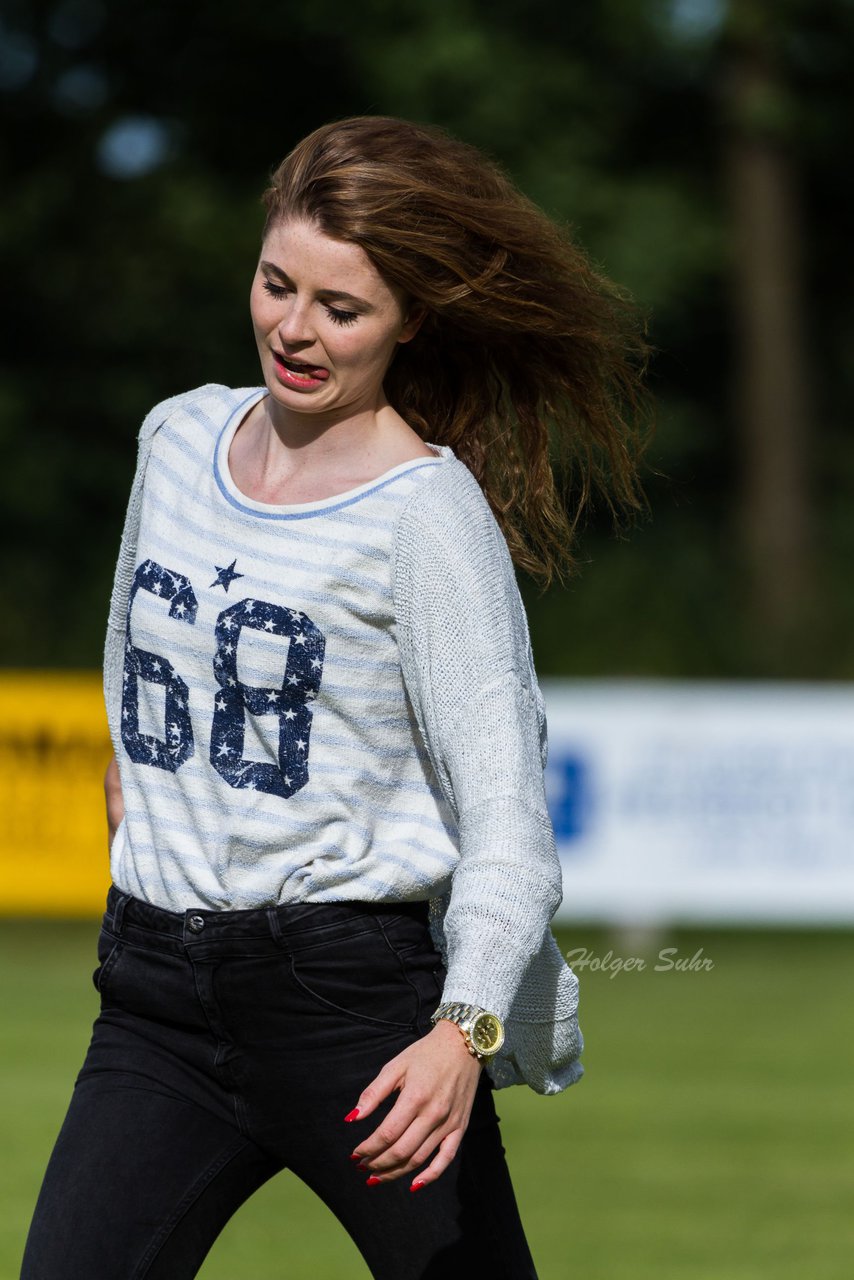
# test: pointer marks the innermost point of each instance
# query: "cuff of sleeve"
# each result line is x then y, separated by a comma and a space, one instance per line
492, 935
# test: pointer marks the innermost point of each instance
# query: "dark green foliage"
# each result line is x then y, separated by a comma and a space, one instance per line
121, 290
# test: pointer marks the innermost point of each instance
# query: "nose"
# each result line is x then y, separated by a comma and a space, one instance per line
295, 327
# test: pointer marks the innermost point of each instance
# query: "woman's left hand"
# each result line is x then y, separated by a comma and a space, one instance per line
437, 1079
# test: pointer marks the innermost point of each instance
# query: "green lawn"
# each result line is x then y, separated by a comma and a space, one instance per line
711, 1139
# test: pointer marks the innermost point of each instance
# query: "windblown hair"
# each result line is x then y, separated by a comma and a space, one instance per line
527, 357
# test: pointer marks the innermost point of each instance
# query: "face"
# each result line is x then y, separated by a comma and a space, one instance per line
326, 322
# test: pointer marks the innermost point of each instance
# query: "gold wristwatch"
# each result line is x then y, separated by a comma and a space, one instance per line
483, 1032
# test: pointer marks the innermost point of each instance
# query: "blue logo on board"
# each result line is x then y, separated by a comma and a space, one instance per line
568, 793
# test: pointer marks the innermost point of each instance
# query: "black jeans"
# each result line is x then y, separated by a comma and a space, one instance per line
230, 1045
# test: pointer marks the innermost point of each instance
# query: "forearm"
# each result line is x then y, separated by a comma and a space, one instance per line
114, 798
504, 896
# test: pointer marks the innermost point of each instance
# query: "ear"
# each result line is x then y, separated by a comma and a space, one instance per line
415, 317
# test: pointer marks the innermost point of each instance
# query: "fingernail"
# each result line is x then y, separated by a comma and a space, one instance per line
352, 1115
417, 1185
372, 1181
355, 1156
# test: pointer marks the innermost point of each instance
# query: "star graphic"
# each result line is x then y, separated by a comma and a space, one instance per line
225, 577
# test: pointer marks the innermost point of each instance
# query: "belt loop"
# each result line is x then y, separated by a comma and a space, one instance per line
119, 912
275, 926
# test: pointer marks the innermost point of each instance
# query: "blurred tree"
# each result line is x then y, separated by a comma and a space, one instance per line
785, 92
137, 140
773, 410
136, 143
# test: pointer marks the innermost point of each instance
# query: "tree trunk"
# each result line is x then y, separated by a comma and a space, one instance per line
772, 398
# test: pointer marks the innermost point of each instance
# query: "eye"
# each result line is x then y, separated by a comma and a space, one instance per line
275, 290
342, 317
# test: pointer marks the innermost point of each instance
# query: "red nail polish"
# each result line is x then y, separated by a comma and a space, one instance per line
352, 1115
417, 1185
355, 1156
372, 1181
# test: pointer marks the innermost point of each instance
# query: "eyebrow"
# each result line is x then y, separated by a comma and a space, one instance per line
335, 295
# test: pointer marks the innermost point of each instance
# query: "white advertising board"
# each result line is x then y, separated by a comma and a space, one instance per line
706, 802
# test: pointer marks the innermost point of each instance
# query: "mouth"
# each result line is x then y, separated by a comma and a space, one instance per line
299, 371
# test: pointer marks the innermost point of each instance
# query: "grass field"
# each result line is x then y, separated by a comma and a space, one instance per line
711, 1139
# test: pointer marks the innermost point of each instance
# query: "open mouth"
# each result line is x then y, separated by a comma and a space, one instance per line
301, 368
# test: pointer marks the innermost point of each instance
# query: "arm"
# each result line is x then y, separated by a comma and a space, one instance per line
114, 799
466, 657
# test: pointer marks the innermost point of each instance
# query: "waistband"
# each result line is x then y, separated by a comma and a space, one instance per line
290, 925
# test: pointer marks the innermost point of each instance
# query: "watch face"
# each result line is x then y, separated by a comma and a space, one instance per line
487, 1033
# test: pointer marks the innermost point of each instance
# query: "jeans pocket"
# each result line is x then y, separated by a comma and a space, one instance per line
359, 976
413, 944
109, 950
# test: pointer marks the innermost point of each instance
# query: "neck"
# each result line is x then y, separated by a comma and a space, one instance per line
278, 447
338, 431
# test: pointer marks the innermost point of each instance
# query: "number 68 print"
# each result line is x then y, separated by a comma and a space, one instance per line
300, 684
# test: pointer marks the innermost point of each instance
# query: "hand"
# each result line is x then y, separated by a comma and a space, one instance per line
437, 1079
114, 798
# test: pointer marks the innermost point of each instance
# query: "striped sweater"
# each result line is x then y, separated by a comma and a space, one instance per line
337, 700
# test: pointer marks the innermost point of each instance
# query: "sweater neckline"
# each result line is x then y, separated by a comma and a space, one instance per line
237, 498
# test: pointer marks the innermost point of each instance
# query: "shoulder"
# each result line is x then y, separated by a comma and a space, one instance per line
211, 403
448, 516
448, 546
448, 504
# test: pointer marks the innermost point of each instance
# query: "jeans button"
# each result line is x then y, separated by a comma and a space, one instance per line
196, 923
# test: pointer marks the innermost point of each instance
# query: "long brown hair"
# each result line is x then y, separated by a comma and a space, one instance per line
527, 356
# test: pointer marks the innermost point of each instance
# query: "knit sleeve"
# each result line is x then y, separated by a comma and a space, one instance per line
466, 656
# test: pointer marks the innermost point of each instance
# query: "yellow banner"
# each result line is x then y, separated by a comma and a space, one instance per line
54, 749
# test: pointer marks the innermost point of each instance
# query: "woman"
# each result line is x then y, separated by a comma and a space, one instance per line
328, 939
